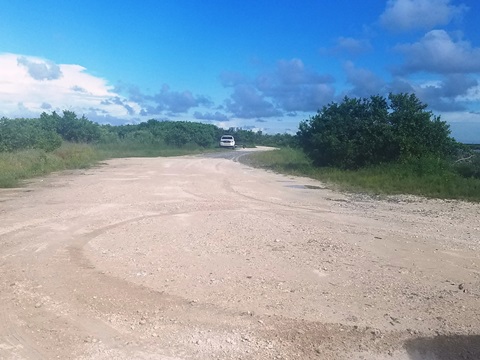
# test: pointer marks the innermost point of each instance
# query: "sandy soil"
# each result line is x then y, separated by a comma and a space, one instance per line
207, 258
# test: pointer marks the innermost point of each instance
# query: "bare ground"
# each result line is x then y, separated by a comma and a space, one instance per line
206, 258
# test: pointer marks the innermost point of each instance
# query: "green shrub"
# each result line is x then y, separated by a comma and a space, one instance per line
470, 168
427, 176
21, 134
362, 132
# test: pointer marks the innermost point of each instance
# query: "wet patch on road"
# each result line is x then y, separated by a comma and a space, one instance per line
305, 187
465, 347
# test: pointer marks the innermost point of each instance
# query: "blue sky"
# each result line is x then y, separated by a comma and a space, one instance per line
262, 65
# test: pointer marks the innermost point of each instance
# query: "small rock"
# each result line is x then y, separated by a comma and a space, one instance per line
395, 320
142, 322
461, 287
245, 338
38, 304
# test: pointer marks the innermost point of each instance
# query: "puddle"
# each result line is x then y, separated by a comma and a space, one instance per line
314, 187
295, 186
310, 187
444, 348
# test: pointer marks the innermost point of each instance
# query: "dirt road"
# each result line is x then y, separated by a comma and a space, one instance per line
207, 258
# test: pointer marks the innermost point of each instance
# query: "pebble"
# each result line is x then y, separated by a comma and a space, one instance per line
245, 338
91, 339
38, 304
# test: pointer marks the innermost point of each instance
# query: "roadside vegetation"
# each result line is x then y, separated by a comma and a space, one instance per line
382, 146
378, 145
53, 142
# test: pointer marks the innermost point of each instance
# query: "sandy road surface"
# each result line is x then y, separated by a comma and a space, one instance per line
206, 258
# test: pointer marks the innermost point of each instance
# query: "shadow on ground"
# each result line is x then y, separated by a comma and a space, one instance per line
444, 348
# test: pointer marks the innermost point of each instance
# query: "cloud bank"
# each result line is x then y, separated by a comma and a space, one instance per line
30, 85
408, 15
289, 87
437, 52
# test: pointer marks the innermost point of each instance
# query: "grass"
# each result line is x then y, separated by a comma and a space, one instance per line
135, 149
21, 165
426, 177
26, 164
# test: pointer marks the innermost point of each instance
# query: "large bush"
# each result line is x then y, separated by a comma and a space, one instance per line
469, 167
22, 134
71, 128
360, 132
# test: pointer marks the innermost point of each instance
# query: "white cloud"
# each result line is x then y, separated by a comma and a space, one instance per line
30, 85
365, 82
348, 46
247, 102
353, 46
405, 15
472, 94
294, 87
217, 116
41, 70
438, 52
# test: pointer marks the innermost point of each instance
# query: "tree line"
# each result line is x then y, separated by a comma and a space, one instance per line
49, 131
355, 133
